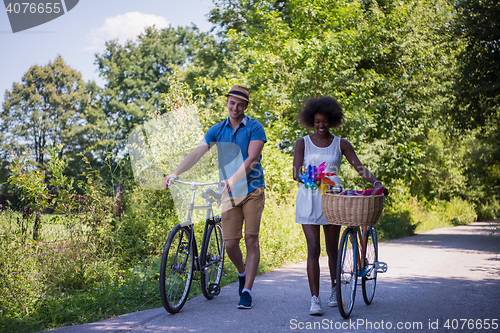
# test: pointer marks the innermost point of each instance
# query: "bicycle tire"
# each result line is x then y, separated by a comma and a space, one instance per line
347, 273
369, 281
212, 261
176, 273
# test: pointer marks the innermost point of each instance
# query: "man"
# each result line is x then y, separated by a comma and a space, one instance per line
241, 203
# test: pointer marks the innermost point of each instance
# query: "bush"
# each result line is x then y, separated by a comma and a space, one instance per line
282, 240
489, 210
405, 214
398, 217
144, 227
278, 175
456, 211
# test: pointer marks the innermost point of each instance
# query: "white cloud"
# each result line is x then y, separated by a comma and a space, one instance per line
123, 27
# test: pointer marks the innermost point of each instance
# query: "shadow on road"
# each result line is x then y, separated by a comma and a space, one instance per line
469, 237
421, 301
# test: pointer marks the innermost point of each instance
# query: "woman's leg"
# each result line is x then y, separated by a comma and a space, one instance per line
313, 251
332, 246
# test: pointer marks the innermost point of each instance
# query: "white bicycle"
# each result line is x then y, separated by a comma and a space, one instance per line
181, 259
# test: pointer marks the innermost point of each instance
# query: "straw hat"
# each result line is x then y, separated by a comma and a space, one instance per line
239, 92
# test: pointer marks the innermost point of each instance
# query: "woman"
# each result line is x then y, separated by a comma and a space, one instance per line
322, 114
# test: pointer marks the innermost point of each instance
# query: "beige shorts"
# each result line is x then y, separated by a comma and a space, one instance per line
237, 209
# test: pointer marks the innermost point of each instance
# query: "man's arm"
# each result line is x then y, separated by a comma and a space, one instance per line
254, 150
191, 159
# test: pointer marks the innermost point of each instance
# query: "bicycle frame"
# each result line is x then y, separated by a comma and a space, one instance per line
192, 207
361, 251
189, 221
358, 246
181, 256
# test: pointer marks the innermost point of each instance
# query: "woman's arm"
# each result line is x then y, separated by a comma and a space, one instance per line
353, 159
298, 159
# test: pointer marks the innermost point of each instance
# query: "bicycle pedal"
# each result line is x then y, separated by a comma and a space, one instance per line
380, 267
214, 288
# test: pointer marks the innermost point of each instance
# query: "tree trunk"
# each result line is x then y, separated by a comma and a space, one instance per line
118, 200
36, 226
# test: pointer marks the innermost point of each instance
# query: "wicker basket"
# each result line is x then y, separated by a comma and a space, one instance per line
352, 210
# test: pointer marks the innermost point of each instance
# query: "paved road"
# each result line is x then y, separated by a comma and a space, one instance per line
433, 278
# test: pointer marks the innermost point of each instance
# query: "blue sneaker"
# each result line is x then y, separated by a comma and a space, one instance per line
245, 301
242, 284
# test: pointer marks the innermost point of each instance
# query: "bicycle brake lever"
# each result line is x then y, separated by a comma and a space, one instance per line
172, 179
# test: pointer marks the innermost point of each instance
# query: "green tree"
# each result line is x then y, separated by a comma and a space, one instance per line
138, 72
477, 108
46, 108
390, 64
479, 81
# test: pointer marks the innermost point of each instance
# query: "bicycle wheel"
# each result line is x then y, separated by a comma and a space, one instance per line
369, 281
347, 273
176, 272
212, 261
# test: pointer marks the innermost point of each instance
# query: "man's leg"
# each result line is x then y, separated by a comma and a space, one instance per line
252, 212
232, 224
252, 259
233, 251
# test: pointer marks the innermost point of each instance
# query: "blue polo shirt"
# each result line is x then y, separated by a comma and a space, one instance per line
232, 150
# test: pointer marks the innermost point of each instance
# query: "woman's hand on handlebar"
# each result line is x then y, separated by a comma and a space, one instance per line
378, 184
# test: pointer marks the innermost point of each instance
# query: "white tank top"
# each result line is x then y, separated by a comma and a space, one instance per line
308, 204
331, 155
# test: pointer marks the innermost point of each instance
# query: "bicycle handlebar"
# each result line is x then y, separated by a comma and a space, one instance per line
212, 193
175, 179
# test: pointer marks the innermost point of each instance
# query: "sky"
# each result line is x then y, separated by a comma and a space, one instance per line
81, 33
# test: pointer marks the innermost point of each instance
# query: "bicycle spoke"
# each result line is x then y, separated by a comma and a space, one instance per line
176, 269
369, 280
212, 261
346, 273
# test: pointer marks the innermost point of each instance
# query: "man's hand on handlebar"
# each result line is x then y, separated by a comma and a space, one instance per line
168, 180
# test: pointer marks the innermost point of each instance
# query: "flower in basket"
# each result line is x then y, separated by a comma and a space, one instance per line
314, 178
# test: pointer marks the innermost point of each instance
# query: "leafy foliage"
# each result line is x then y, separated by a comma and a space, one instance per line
278, 173
30, 180
479, 84
476, 111
390, 64
138, 73
46, 108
